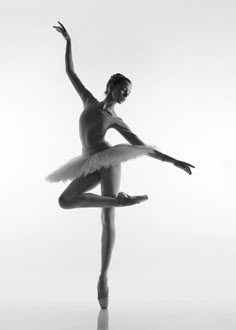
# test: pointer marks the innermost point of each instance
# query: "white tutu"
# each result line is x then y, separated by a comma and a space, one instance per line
83, 165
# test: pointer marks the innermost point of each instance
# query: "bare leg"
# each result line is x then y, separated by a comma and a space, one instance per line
110, 183
74, 195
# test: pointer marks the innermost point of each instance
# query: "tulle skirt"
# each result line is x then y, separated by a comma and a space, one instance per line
83, 165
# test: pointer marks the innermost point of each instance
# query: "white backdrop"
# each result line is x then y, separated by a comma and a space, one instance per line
179, 246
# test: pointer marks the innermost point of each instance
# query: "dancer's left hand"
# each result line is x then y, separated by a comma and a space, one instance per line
184, 166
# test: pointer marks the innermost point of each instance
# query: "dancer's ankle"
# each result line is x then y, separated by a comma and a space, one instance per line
103, 276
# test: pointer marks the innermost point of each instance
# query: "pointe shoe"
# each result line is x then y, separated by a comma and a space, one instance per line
124, 199
103, 299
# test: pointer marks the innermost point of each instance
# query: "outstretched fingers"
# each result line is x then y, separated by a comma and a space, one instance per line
190, 165
188, 170
62, 26
61, 29
58, 28
187, 167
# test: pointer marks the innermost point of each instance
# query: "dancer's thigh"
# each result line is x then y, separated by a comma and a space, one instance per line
81, 185
110, 180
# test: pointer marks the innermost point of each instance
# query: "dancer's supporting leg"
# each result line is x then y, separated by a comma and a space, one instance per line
110, 183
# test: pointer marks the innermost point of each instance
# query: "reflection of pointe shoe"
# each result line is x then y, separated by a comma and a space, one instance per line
103, 298
103, 319
124, 199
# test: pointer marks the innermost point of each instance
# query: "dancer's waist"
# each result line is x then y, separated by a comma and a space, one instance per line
90, 150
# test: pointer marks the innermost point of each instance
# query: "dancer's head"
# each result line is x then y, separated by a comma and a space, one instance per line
118, 87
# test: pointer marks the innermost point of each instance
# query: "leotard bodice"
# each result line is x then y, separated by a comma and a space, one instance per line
94, 122
93, 125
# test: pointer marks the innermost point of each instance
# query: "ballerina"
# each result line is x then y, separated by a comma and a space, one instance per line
100, 163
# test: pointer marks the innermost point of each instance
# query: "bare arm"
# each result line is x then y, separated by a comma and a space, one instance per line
178, 163
86, 95
160, 156
125, 131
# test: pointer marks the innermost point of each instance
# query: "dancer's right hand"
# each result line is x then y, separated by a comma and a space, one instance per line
184, 166
61, 29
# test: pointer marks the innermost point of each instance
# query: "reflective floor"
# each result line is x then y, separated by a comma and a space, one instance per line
125, 316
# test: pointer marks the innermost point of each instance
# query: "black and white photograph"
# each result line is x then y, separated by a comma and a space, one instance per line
118, 160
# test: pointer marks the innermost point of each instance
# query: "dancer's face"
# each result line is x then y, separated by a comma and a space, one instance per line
121, 91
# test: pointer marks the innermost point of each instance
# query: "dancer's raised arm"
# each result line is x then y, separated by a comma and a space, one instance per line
86, 95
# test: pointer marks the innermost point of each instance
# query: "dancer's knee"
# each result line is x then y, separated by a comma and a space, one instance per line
108, 215
63, 202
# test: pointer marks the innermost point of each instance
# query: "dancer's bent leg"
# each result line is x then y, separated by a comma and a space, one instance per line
74, 195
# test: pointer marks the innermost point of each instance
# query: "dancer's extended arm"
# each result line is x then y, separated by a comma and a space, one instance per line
178, 163
125, 131
86, 95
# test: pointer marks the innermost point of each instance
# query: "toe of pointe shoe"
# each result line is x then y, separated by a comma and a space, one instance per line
103, 294
103, 301
140, 199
